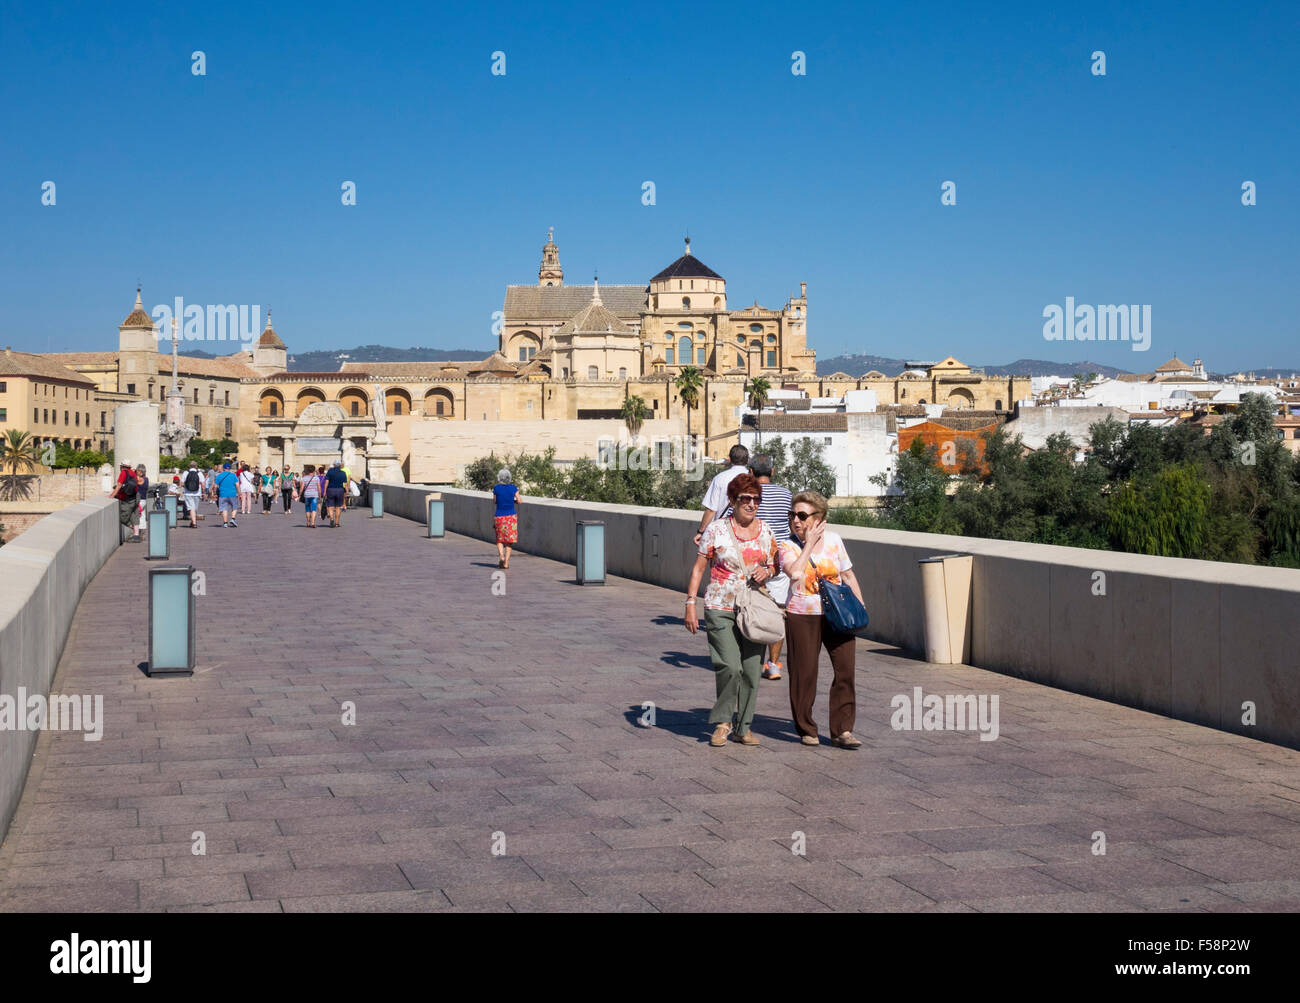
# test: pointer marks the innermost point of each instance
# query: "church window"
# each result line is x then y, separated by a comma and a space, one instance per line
77, 418
397, 406
740, 360
668, 356
130, 388
356, 409
685, 325
523, 354
103, 419
593, 373
196, 395
756, 328
903, 392
771, 360
622, 372
700, 356
997, 404
438, 408
740, 339
275, 409
684, 351
198, 425
227, 398
771, 339
229, 426
212, 396
686, 302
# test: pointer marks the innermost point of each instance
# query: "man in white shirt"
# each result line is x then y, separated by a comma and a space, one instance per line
715, 499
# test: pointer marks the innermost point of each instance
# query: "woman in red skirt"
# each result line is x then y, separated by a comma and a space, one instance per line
507, 517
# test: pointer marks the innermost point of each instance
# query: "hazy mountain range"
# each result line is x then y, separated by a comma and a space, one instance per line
326, 361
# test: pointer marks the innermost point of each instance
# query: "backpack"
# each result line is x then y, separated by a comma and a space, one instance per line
129, 489
192, 481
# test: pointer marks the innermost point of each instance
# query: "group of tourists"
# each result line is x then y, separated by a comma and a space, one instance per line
757, 537
233, 489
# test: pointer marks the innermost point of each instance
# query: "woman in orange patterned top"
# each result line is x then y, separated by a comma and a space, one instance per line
812, 553
737, 549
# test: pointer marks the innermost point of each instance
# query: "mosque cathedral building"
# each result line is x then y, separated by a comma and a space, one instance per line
567, 358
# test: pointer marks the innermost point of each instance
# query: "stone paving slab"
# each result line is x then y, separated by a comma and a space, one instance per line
497, 762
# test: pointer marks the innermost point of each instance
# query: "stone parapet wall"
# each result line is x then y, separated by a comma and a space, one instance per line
43, 573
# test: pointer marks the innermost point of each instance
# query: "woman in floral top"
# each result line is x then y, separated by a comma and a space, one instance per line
735, 550
813, 553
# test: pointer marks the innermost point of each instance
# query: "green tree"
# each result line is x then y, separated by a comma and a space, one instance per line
1165, 515
921, 502
19, 456
801, 466
689, 383
634, 413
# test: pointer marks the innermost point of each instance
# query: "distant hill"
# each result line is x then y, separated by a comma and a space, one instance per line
856, 365
329, 361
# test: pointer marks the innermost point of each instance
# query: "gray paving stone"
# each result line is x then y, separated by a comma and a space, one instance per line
464, 732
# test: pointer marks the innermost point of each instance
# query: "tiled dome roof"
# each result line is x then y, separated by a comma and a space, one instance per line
687, 267
137, 317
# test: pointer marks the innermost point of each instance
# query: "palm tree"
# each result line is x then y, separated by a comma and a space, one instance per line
689, 383
634, 412
18, 455
758, 388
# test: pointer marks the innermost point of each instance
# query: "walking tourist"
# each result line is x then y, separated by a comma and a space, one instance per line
715, 498
269, 481
310, 494
288, 489
193, 491
246, 486
128, 504
142, 479
814, 553
506, 519
735, 550
226, 485
336, 485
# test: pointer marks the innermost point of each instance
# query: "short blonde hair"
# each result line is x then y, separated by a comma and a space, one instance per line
813, 498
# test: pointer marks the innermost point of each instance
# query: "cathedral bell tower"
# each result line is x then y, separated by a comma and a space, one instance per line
551, 273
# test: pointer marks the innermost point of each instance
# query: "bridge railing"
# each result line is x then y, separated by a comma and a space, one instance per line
43, 573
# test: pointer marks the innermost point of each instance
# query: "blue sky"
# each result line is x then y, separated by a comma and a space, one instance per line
225, 188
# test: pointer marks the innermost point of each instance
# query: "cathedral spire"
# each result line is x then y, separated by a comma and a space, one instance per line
551, 273
595, 290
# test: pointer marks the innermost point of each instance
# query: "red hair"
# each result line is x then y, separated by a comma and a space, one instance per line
744, 484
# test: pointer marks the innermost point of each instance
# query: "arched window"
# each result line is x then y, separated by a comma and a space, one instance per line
684, 350
997, 404
622, 372
771, 339
686, 302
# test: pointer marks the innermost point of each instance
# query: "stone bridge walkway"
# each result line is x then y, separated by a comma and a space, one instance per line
511, 723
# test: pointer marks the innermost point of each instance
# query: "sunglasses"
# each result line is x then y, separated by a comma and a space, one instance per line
746, 499
801, 516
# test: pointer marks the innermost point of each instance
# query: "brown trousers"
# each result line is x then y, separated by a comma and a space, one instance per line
805, 635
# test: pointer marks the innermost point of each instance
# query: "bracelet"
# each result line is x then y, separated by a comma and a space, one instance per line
690, 601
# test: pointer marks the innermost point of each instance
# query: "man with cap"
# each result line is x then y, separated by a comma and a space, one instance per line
227, 484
